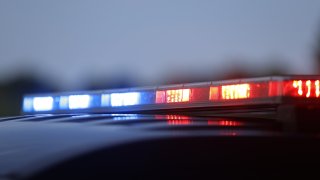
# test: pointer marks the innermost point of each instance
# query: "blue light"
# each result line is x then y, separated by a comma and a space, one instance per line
147, 97
27, 104
79, 101
125, 99
42, 103
95, 100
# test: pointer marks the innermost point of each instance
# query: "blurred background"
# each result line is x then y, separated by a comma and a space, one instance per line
62, 45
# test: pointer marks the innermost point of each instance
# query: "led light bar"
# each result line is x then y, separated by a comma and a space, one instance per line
210, 95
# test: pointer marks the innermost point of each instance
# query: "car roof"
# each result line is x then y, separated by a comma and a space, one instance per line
30, 138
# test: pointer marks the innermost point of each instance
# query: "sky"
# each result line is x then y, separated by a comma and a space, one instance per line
68, 42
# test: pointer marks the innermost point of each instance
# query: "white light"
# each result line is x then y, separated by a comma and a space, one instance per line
116, 99
105, 100
125, 99
43, 103
79, 101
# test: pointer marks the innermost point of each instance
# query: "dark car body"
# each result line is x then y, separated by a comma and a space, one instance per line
145, 146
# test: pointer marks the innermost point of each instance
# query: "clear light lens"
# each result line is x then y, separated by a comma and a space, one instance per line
79, 101
63, 102
173, 96
125, 99
105, 100
42, 103
237, 91
178, 95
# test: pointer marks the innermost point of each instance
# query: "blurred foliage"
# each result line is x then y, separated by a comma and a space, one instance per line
11, 93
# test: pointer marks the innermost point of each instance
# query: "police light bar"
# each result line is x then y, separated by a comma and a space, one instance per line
209, 95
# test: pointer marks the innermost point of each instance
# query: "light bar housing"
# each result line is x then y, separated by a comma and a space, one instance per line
210, 95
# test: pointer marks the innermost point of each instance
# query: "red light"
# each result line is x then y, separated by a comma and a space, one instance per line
178, 120
214, 93
160, 96
228, 123
308, 84
298, 86
302, 88
317, 85
173, 96
176, 117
